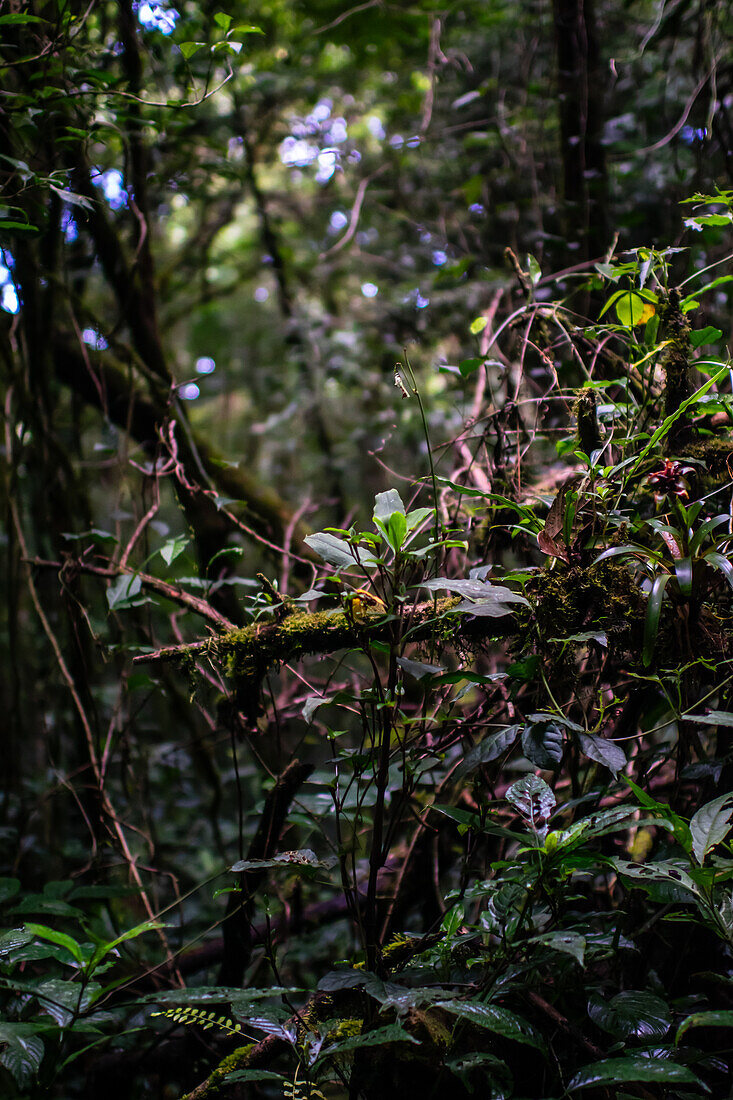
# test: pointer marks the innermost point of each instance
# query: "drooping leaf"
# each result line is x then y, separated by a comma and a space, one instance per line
711, 824
543, 744
419, 669
40, 931
336, 552
482, 598
604, 752
489, 749
124, 591
392, 1033
304, 857
568, 943
22, 1053
720, 1018
494, 1018
653, 615
635, 1067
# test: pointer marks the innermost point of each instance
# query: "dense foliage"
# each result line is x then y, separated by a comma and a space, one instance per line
367, 549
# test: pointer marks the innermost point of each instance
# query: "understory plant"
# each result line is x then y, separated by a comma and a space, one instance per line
478, 763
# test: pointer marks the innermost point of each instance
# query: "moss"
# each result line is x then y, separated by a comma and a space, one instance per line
716, 455
676, 365
575, 600
236, 1060
216, 1080
589, 434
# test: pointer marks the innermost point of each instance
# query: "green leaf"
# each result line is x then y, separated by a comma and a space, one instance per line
720, 1018
173, 547
635, 1067
14, 938
482, 598
604, 752
535, 802
496, 1019
131, 934
255, 1075
223, 20
72, 198
664, 879
705, 221
711, 824
721, 562
712, 718
41, 932
9, 887
535, 271
64, 1000
386, 504
707, 335
20, 17
653, 615
22, 226
568, 943
188, 49
397, 530
418, 669
122, 593
543, 744
633, 1014
392, 1033
23, 1052
467, 366
333, 551
680, 411
491, 747
477, 325
304, 857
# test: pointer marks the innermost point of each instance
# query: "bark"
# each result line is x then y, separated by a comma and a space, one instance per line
581, 87
237, 924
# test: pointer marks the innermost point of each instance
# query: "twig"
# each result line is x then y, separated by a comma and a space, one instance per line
170, 591
105, 801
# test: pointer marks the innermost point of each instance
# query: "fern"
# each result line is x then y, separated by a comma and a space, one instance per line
189, 1016
294, 1091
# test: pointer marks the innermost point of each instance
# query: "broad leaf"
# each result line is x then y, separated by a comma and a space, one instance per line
604, 752
721, 1018
392, 1033
711, 824
494, 1018
635, 1067
491, 747
534, 800
568, 943
633, 1014
386, 504
543, 743
304, 857
23, 1052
